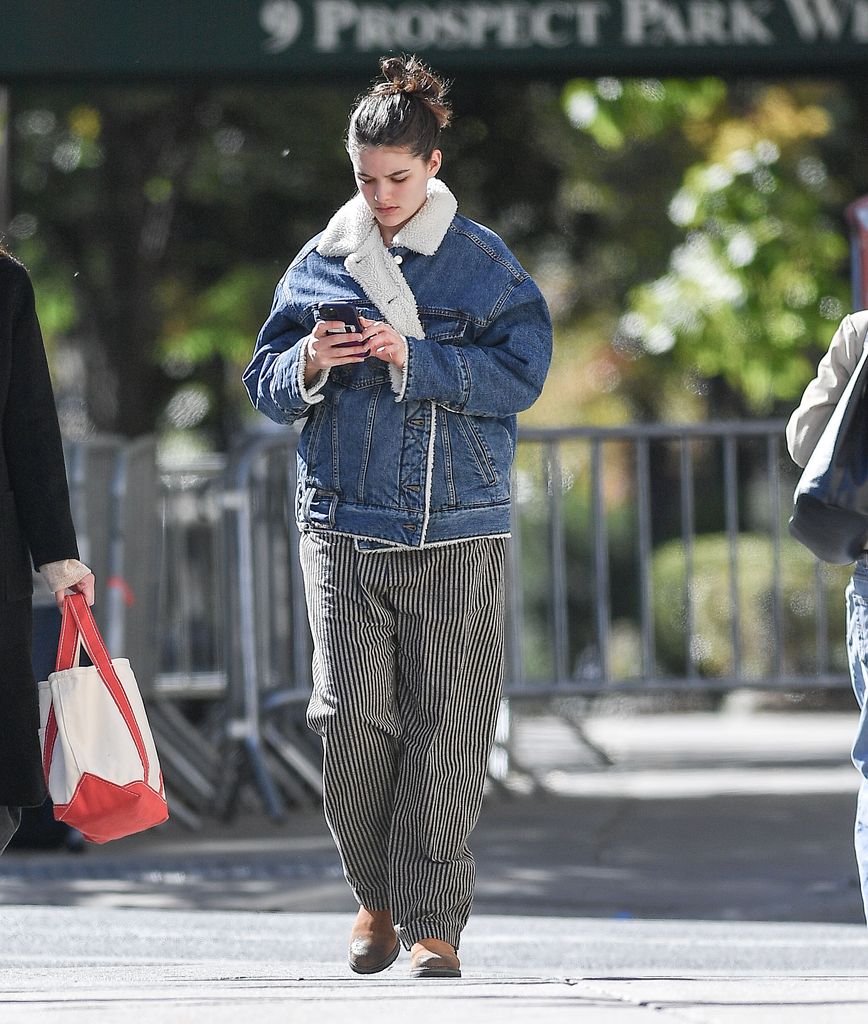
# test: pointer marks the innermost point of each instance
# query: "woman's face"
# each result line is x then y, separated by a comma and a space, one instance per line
393, 183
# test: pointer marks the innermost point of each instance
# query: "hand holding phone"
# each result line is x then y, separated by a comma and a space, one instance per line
344, 312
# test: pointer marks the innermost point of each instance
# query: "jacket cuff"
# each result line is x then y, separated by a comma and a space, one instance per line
310, 392
398, 378
286, 393
64, 574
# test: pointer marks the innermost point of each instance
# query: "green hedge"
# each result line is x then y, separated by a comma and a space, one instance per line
712, 634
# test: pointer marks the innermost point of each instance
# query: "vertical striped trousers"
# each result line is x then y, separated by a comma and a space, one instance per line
407, 675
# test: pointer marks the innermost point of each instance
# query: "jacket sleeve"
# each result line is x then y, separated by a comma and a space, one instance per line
31, 439
274, 379
500, 374
821, 396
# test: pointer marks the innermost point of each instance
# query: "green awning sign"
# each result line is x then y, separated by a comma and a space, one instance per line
321, 38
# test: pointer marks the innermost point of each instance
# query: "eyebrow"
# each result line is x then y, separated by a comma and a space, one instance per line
404, 170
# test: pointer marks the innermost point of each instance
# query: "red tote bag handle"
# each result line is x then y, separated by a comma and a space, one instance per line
78, 625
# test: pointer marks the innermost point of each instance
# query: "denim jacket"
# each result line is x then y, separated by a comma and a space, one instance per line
420, 457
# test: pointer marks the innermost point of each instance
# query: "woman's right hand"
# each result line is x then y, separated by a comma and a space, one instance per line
84, 586
323, 350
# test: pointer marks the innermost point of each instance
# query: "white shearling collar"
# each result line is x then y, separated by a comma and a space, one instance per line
351, 227
352, 234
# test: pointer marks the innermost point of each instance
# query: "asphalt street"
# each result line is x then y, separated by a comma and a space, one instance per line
706, 876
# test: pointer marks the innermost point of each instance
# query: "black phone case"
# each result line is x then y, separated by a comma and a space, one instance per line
344, 311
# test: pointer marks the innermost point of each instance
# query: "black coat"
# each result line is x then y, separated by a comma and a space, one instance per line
35, 524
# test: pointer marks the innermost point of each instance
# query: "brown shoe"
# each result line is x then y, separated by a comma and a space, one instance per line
433, 958
374, 945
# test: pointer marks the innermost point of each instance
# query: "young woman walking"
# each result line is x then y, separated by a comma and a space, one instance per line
404, 507
35, 524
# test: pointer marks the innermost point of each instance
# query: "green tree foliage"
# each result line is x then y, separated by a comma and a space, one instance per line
687, 234
159, 221
752, 278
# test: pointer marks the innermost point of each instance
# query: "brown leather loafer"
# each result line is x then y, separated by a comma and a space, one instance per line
374, 945
428, 963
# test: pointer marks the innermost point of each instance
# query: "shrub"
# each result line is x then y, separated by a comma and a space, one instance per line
711, 643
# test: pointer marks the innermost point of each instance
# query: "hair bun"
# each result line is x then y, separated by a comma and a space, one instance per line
409, 76
405, 109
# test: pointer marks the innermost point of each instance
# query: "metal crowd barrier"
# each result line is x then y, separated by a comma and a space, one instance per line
643, 558
604, 515
115, 495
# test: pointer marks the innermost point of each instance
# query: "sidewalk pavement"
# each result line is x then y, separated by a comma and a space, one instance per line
708, 875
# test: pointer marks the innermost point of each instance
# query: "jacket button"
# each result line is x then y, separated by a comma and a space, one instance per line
416, 423
412, 487
410, 527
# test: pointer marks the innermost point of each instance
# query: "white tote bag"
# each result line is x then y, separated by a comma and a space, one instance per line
98, 754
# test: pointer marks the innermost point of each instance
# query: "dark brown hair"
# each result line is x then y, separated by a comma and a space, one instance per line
407, 111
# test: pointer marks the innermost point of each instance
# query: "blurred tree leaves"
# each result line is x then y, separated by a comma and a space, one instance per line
754, 280
160, 220
688, 234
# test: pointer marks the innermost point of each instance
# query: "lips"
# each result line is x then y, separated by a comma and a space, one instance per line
386, 209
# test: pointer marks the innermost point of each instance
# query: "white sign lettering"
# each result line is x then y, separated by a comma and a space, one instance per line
475, 26
282, 20
697, 23
334, 26
822, 18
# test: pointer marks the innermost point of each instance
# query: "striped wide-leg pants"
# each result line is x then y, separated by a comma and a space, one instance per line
407, 675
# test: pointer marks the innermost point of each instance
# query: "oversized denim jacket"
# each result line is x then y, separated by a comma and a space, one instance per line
420, 457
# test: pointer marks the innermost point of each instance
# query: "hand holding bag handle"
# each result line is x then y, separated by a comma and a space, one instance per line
98, 754
78, 627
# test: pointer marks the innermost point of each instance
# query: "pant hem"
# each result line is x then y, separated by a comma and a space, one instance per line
415, 933
372, 901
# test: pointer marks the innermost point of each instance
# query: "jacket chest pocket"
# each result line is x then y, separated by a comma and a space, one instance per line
16, 579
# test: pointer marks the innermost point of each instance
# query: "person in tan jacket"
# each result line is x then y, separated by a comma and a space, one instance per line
803, 432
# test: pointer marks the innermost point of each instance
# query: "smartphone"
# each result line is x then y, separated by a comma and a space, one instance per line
344, 311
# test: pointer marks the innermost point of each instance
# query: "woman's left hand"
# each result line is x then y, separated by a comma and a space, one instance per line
384, 342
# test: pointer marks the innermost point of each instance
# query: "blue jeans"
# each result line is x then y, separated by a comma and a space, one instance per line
857, 651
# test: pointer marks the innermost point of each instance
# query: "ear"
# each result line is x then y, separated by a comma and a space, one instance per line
434, 162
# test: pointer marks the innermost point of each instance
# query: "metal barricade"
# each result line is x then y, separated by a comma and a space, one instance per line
91, 467
643, 558
191, 608
126, 520
657, 557
187, 694
267, 645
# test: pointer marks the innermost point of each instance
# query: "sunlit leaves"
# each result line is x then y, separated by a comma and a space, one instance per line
756, 278
616, 112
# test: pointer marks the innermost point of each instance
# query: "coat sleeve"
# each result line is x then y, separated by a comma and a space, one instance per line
31, 438
274, 379
500, 374
821, 396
